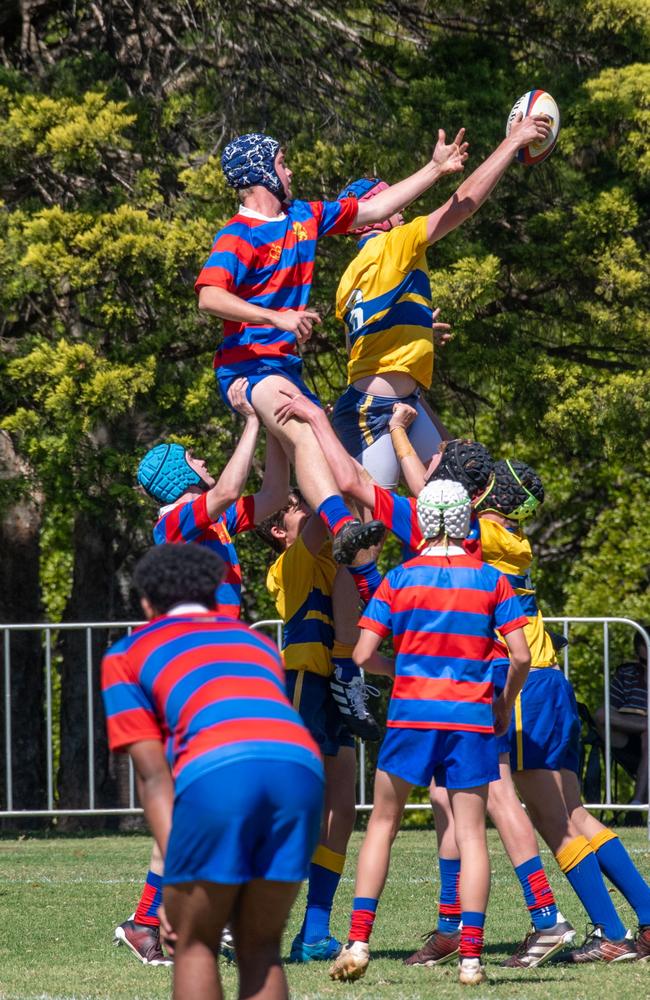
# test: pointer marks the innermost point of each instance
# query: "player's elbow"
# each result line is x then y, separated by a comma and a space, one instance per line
360, 657
208, 300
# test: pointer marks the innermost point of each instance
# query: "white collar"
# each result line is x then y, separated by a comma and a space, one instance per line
443, 550
186, 609
250, 213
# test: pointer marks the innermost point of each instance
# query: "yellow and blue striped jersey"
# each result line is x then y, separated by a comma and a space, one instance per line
384, 301
301, 585
508, 550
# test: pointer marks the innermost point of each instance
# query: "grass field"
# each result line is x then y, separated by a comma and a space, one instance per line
61, 897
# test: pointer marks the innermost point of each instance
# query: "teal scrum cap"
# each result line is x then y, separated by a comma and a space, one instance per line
165, 474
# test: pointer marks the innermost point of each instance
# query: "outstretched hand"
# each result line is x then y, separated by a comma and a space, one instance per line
450, 158
296, 406
534, 128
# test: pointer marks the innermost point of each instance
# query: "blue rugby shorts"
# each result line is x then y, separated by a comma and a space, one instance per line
545, 731
311, 696
245, 820
455, 758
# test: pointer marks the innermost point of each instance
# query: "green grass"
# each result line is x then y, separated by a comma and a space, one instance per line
61, 897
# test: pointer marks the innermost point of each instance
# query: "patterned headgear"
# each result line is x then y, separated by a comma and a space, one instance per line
364, 189
443, 507
466, 462
516, 493
250, 159
165, 474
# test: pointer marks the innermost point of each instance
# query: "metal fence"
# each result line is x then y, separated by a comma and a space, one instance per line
50, 632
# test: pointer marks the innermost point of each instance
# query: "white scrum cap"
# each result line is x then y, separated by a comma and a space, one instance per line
444, 507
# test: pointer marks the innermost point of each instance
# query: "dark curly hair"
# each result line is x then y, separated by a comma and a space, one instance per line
466, 462
179, 574
516, 492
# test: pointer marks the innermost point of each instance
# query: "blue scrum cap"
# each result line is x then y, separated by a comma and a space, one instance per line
250, 159
165, 474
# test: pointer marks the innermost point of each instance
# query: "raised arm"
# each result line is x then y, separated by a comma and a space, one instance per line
478, 187
350, 477
446, 159
413, 469
275, 484
230, 484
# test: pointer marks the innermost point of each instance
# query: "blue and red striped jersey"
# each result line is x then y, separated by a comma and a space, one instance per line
210, 688
442, 611
270, 263
190, 522
399, 514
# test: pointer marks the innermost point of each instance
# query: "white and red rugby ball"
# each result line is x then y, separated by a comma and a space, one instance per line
536, 102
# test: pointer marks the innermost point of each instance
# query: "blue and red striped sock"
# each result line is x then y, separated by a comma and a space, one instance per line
334, 513
367, 578
471, 934
151, 898
537, 893
364, 911
449, 904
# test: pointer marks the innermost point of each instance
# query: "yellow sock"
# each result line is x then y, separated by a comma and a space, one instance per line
326, 858
602, 837
574, 852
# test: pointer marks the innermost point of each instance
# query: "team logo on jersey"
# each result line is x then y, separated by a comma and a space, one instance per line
299, 231
275, 251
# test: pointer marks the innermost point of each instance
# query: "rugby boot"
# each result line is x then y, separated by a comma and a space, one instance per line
538, 946
353, 537
351, 700
471, 972
437, 949
352, 961
316, 951
598, 948
143, 941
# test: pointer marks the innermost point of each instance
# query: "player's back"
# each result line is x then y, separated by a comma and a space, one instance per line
384, 300
214, 685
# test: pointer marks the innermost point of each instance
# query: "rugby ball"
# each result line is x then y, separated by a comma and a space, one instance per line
536, 102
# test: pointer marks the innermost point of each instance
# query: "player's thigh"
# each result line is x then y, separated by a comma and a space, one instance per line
390, 795
424, 435
198, 911
468, 806
270, 393
340, 777
261, 914
380, 461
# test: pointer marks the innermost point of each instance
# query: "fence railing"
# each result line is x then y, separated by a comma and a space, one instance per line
48, 632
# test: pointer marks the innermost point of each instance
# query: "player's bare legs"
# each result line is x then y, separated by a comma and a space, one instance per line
198, 913
339, 812
260, 916
468, 806
506, 812
542, 793
315, 480
314, 476
389, 800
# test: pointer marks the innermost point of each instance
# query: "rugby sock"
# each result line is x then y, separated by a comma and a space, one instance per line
537, 893
324, 876
364, 911
621, 870
449, 904
151, 898
334, 513
345, 669
580, 865
471, 934
367, 578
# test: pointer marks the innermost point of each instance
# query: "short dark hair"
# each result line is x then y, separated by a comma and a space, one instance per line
179, 574
276, 520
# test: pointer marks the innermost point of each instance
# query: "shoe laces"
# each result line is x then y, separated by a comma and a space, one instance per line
522, 947
359, 693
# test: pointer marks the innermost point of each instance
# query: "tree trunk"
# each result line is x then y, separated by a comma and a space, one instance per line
20, 603
94, 598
